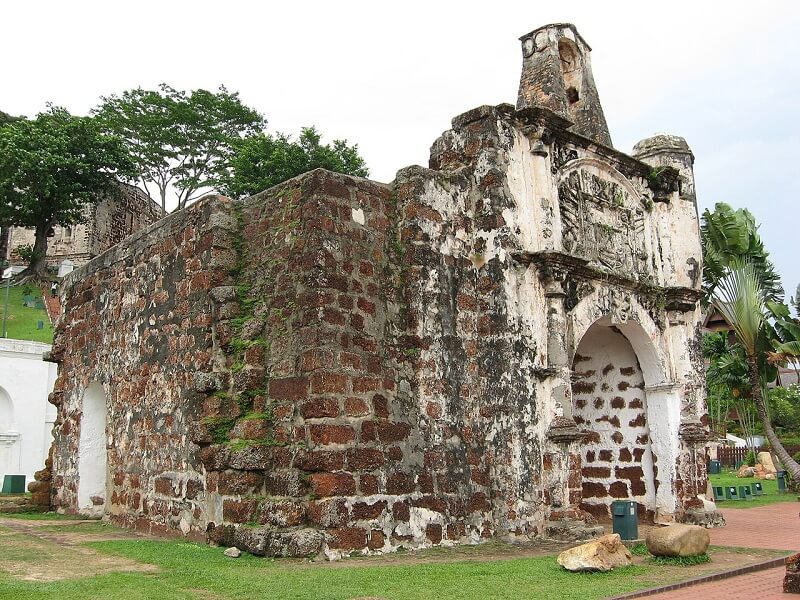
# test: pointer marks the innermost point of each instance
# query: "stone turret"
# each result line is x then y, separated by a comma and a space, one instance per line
557, 75
663, 150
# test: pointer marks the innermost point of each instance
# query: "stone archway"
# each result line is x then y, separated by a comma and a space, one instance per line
610, 402
92, 453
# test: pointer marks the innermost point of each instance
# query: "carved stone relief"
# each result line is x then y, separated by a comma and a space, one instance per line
603, 224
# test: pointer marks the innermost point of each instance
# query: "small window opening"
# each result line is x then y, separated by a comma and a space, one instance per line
572, 95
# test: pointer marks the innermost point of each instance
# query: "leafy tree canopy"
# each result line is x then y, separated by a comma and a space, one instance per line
730, 237
262, 161
179, 140
51, 167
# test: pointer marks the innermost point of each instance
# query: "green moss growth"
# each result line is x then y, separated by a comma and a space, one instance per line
219, 428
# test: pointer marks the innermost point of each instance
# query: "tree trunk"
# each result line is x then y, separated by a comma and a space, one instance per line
777, 448
37, 268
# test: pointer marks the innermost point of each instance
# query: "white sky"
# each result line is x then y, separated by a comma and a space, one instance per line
391, 76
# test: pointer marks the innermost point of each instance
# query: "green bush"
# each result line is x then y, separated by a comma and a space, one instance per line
750, 459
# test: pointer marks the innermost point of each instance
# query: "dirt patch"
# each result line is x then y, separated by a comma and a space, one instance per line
48, 551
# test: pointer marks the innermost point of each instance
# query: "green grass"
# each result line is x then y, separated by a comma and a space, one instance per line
22, 321
37, 516
681, 561
771, 495
188, 570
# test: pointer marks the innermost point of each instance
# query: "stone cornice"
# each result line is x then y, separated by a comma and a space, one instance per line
553, 264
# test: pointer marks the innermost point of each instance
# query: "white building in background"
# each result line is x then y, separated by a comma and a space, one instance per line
26, 418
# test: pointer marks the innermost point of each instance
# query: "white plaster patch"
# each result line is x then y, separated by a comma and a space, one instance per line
358, 216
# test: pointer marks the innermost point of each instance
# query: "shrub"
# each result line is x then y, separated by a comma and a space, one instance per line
750, 458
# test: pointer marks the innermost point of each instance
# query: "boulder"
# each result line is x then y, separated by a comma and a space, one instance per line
759, 472
602, 554
677, 539
791, 581
233, 552
745, 471
765, 459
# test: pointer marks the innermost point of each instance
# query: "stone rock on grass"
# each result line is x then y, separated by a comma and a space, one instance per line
745, 471
791, 581
765, 459
602, 554
233, 552
677, 540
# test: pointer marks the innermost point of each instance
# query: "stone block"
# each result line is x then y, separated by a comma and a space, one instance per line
677, 540
602, 554
333, 484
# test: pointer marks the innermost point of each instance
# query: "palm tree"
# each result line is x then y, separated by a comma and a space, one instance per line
741, 299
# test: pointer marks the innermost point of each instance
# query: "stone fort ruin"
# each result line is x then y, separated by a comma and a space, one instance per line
498, 345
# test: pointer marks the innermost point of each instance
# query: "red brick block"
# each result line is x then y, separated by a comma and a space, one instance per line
239, 482
311, 360
318, 408
323, 382
238, 511
366, 384
434, 533
165, 486
618, 490
366, 306
347, 538
356, 407
331, 434
364, 459
380, 406
400, 483
629, 472
431, 503
363, 510
333, 484
368, 485
331, 512
376, 539
325, 460
290, 388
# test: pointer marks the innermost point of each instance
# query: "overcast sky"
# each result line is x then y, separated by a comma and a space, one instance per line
389, 77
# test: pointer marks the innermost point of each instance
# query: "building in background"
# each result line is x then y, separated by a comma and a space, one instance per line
108, 222
26, 418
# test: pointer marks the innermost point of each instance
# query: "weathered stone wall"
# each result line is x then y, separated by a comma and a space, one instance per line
137, 320
106, 223
337, 365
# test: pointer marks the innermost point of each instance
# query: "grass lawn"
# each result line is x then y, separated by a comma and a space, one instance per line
95, 560
771, 495
149, 568
22, 321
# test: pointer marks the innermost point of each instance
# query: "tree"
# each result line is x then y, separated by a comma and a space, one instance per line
179, 140
262, 161
741, 300
728, 237
50, 168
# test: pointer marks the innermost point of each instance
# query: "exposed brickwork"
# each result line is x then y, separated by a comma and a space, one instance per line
337, 365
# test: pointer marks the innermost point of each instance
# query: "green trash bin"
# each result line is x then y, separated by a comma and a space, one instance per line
745, 493
14, 484
780, 476
719, 493
758, 490
625, 515
731, 493
714, 467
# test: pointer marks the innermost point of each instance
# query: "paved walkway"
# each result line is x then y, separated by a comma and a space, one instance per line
775, 526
